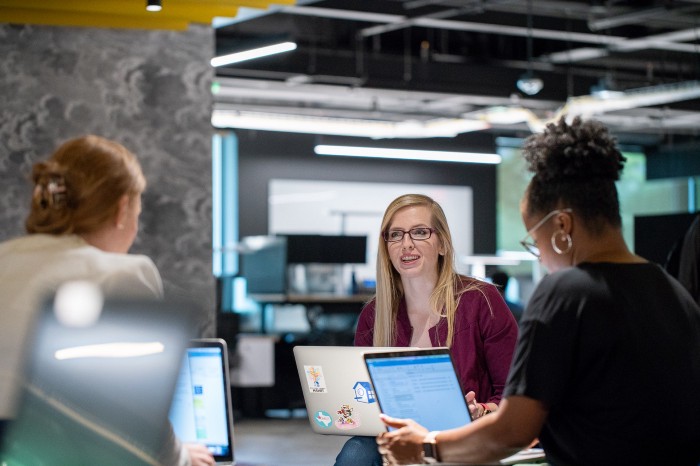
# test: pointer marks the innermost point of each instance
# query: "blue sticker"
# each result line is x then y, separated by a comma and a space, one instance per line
323, 419
364, 393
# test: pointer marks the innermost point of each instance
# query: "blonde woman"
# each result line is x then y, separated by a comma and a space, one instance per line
422, 301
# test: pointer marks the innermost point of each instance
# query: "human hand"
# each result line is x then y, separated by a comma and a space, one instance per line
404, 445
476, 409
199, 454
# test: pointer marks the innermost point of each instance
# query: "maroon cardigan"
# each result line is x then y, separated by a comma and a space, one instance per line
482, 346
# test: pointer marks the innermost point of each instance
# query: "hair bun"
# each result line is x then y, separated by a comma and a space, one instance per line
580, 151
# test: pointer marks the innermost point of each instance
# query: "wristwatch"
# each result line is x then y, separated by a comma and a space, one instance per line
430, 451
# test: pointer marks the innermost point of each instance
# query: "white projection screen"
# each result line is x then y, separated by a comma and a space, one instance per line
356, 208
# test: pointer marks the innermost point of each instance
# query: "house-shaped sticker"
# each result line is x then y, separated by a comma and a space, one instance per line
364, 393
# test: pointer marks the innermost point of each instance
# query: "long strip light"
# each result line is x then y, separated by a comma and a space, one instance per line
111, 350
407, 154
253, 53
375, 129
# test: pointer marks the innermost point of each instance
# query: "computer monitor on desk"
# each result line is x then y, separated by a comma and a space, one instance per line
326, 249
302, 264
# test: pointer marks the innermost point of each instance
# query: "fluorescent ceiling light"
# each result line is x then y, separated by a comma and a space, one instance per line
375, 129
111, 350
407, 154
254, 53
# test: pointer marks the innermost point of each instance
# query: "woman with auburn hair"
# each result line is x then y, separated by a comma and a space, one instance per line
83, 220
421, 301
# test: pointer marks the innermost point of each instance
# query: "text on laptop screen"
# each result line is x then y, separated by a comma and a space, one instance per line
199, 409
424, 388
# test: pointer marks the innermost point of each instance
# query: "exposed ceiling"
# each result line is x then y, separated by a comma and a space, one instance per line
424, 68
450, 66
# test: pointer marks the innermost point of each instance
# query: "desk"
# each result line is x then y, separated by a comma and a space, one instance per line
327, 302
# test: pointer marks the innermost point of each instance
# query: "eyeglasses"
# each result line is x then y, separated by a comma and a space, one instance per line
418, 234
529, 244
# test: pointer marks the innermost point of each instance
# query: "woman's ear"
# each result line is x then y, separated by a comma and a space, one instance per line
565, 222
122, 212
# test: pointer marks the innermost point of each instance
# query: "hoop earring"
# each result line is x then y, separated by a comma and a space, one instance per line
565, 237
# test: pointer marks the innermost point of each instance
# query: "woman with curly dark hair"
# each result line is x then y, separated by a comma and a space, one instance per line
607, 366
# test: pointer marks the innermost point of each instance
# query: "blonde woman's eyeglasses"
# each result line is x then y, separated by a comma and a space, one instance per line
416, 234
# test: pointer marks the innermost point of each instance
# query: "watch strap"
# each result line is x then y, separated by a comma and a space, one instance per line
430, 451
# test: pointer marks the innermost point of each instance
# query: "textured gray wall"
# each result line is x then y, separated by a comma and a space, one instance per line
149, 90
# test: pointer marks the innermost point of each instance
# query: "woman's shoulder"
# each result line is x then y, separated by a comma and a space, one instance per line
475, 288
133, 274
369, 308
37, 241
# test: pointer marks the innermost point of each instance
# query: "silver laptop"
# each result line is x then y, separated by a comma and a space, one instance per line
201, 410
99, 384
337, 391
422, 385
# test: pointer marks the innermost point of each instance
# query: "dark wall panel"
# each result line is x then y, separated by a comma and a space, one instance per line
269, 155
674, 161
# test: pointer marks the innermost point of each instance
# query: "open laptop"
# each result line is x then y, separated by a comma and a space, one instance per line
99, 383
337, 391
201, 410
422, 385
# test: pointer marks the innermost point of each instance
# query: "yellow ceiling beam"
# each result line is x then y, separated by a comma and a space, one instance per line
176, 14
261, 4
175, 10
57, 18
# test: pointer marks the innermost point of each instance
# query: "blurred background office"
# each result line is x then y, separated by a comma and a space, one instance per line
476, 78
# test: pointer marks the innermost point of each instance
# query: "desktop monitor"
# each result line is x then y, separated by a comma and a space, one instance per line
326, 249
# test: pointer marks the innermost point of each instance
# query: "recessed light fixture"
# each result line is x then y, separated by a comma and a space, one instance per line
408, 154
153, 5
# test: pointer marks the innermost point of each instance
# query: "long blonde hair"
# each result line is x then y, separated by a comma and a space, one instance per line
448, 289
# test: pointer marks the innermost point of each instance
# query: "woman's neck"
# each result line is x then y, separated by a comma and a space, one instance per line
417, 295
607, 247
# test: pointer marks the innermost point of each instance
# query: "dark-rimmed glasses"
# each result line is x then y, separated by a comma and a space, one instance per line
417, 234
528, 243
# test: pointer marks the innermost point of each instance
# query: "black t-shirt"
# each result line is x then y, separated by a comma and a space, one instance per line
613, 350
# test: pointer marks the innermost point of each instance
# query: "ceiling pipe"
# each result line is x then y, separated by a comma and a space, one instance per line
636, 17
393, 22
666, 41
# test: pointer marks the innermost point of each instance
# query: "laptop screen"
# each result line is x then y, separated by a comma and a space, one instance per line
421, 385
200, 412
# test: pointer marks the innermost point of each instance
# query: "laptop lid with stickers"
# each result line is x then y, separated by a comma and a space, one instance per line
337, 390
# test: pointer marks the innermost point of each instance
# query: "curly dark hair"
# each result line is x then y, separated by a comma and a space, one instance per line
575, 165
